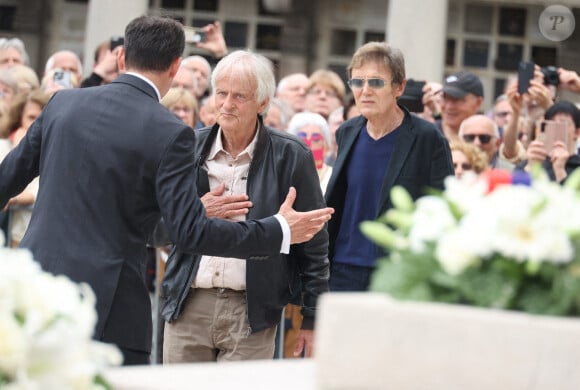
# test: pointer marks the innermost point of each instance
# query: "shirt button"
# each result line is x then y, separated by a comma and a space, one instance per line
217, 274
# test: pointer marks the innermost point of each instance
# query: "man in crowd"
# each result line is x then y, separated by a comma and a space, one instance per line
227, 308
65, 60
462, 98
292, 90
483, 132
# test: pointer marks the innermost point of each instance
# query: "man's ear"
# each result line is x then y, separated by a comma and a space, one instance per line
399, 89
174, 67
121, 58
264, 104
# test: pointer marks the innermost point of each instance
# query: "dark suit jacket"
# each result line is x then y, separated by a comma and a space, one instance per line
111, 162
421, 159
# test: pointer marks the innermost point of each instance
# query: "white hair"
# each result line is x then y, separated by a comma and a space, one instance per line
15, 43
50, 62
252, 65
302, 119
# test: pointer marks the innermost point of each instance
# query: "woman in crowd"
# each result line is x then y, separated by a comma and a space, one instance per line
467, 158
313, 129
182, 103
22, 113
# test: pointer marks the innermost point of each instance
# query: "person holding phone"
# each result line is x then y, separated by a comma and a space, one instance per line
562, 158
105, 67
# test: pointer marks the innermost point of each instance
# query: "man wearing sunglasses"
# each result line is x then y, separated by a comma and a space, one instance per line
483, 132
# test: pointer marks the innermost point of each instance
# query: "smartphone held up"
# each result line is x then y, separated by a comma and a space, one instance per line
62, 78
194, 35
549, 132
525, 75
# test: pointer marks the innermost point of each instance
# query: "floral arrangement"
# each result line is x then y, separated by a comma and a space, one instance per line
46, 324
496, 240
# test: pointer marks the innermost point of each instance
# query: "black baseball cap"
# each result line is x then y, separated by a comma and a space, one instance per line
460, 84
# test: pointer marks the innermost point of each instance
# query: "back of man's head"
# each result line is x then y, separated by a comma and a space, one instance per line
152, 43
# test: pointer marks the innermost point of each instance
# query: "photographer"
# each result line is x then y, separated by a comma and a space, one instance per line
568, 80
105, 67
563, 157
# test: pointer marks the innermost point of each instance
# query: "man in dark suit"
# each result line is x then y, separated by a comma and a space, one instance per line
384, 147
112, 161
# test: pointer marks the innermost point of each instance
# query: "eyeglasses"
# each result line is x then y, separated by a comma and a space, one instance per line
374, 83
464, 166
502, 114
318, 91
315, 137
483, 138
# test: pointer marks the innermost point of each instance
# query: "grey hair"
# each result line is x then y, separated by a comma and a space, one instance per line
252, 65
50, 61
200, 59
286, 112
15, 43
306, 118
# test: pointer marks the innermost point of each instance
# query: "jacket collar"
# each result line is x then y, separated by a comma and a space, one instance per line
139, 83
348, 136
257, 154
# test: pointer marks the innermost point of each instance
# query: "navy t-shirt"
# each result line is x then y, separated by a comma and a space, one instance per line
365, 174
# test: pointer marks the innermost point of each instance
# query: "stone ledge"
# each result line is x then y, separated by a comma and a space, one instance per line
369, 341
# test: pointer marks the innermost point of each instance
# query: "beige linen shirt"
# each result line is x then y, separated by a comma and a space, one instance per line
233, 172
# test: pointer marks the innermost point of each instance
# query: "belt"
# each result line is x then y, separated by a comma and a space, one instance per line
220, 290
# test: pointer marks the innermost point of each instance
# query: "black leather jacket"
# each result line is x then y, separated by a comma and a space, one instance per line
280, 160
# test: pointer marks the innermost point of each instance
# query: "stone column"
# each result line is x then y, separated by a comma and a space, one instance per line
418, 28
106, 18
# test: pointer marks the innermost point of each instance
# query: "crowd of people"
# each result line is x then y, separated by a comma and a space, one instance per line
228, 145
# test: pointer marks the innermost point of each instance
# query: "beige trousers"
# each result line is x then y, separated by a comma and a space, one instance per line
214, 327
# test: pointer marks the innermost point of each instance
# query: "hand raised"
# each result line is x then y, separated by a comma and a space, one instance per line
218, 205
303, 225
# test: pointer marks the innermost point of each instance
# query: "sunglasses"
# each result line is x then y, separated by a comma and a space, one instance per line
483, 138
373, 83
313, 137
464, 166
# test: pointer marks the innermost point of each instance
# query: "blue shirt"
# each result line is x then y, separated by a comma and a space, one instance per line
365, 174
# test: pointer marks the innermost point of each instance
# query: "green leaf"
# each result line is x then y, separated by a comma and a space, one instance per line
405, 279
99, 380
573, 180
399, 219
379, 233
402, 200
487, 286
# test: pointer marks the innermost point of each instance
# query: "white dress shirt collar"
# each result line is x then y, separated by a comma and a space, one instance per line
148, 82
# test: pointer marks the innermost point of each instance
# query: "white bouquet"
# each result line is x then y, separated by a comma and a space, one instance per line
46, 324
487, 241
